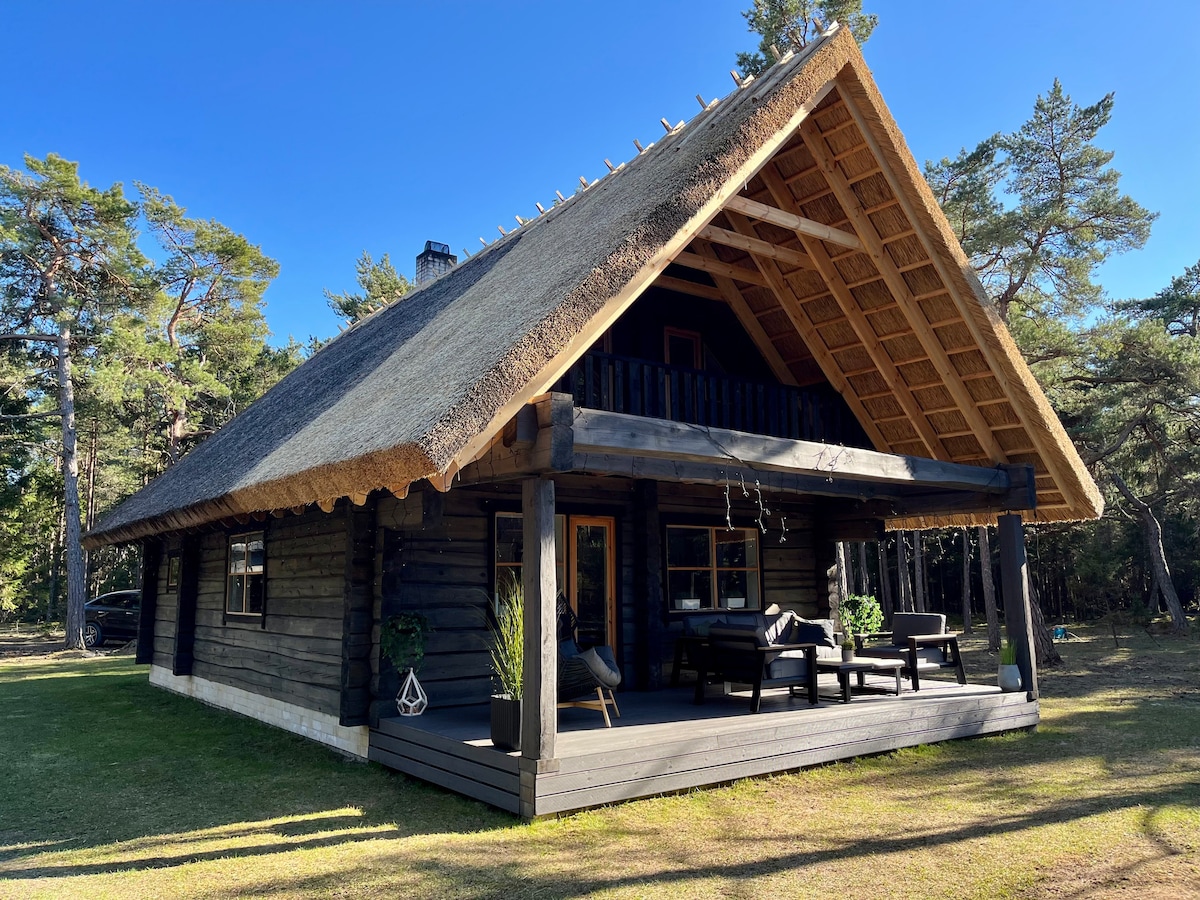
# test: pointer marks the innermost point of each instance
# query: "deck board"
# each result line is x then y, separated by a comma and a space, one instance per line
663, 742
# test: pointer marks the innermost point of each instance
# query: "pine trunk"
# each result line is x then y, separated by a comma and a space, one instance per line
906, 601
843, 583
1152, 534
885, 582
919, 585
864, 586
989, 591
70, 468
966, 581
1043, 640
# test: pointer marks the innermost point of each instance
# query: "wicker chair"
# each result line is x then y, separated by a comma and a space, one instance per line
586, 678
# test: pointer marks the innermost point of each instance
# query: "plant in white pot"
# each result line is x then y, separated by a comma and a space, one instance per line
508, 663
1008, 675
402, 640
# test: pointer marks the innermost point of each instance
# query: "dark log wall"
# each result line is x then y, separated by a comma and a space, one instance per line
296, 653
434, 555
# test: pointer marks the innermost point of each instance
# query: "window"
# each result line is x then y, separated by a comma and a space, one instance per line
244, 590
510, 541
712, 568
173, 566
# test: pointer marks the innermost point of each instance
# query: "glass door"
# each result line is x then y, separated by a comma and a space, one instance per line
592, 579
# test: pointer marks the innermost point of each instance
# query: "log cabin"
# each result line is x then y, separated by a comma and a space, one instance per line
674, 390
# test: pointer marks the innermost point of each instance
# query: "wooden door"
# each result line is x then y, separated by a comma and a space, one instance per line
592, 578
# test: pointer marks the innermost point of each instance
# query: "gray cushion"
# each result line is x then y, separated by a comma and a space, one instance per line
600, 662
738, 632
789, 664
778, 627
813, 631
906, 625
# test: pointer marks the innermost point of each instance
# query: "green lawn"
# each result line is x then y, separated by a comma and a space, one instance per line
111, 788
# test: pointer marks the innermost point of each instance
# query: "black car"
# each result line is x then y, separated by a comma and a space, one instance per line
112, 616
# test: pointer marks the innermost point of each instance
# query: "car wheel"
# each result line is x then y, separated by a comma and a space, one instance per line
93, 635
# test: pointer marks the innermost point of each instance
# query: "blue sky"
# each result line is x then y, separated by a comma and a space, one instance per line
320, 130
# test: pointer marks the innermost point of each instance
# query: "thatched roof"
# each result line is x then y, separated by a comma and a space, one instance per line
899, 324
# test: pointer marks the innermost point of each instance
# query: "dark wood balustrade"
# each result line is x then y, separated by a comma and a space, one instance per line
644, 388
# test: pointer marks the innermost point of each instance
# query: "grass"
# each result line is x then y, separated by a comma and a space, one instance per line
111, 788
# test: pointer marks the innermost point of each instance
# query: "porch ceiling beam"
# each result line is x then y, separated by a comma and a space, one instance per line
799, 224
898, 287
716, 267
691, 288
619, 433
756, 246
862, 328
746, 316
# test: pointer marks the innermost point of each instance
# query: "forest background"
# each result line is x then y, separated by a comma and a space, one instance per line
129, 331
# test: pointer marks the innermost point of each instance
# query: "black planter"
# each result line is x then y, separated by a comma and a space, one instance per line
506, 722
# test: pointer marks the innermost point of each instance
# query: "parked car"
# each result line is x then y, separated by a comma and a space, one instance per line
111, 616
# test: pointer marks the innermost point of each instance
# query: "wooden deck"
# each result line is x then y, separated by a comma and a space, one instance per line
664, 743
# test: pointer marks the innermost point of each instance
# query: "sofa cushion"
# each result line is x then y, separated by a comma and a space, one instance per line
777, 628
739, 633
813, 631
906, 625
697, 626
791, 664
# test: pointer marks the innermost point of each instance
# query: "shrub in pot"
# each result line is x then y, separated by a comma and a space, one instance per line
1008, 675
508, 664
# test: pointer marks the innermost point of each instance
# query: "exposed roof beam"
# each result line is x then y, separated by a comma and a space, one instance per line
799, 224
756, 245
741, 309
904, 299
716, 267
683, 286
862, 328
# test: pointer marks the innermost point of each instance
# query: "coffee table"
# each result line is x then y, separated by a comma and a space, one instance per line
860, 666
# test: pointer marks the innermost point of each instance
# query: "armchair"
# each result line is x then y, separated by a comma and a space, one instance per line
921, 641
586, 678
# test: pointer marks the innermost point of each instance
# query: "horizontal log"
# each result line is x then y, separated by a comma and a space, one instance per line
799, 224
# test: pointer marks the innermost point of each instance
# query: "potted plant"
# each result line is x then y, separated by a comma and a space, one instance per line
508, 662
848, 649
860, 615
1008, 675
402, 640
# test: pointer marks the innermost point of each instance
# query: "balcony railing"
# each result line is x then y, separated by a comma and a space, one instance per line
643, 388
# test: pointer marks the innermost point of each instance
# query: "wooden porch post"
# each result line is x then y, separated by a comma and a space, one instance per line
151, 560
539, 707
1014, 587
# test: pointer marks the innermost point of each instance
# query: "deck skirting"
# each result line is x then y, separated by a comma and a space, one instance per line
663, 746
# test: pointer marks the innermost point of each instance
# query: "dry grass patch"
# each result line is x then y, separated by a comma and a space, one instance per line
115, 789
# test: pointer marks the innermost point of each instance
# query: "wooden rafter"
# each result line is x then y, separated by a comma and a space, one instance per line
730, 293
692, 288
717, 267
910, 309
816, 343
857, 321
793, 222
756, 245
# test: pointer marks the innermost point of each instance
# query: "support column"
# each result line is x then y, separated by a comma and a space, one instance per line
1014, 587
539, 706
647, 585
185, 612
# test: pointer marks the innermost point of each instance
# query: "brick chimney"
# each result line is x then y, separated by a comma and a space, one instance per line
436, 259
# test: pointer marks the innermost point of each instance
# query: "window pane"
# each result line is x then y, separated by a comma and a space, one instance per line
737, 549
256, 552
254, 594
509, 539
688, 547
690, 589
737, 590
237, 556
236, 594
